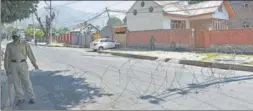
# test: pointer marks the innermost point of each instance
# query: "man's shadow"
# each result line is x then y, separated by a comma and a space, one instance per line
55, 91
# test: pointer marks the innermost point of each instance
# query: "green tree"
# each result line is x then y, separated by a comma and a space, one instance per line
61, 30
9, 29
38, 32
46, 27
114, 21
17, 10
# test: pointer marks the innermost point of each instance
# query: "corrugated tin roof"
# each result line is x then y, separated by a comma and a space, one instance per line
192, 10
176, 9
204, 7
162, 3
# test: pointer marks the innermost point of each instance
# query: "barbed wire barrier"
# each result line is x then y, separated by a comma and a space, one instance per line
135, 81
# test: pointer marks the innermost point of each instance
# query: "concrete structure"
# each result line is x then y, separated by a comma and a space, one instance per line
79, 36
244, 16
155, 15
107, 32
120, 34
240, 40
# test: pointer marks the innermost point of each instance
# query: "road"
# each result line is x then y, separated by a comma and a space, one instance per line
76, 79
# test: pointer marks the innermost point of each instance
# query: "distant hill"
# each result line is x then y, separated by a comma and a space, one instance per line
65, 17
69, 17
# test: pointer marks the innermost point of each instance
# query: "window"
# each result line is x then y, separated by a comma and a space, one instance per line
151, 9
219, 24
245, 5
178, 24
135, 12
142, 4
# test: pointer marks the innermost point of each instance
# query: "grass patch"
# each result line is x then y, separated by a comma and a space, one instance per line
250, 63
209, 56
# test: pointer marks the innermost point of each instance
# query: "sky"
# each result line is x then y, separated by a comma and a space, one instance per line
93, 7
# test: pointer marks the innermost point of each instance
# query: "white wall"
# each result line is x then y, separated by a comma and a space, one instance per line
144, 20
166, 23
221, 15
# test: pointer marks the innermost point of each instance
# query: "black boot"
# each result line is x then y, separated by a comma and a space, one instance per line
32, 101
21, 101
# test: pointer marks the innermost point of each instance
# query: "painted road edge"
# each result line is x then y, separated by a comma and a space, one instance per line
187, 62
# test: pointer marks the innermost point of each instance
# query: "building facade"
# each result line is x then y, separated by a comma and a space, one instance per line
156, 15
244, 14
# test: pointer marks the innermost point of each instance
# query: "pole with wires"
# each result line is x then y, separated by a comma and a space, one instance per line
1, 51
1, 37
50, 33
33, 28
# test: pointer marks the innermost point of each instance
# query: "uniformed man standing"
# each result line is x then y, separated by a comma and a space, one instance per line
16, 66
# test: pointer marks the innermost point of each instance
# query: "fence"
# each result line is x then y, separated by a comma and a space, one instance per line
191, 39
164, 39
66, 37
231, 37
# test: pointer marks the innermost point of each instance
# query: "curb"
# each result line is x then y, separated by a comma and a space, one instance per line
217, 65
130, 55
188, 62
72, 46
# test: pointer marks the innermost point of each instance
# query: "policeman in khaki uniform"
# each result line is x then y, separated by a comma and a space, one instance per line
15, 65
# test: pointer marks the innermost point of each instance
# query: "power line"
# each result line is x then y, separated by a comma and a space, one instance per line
115, 4
103, 11
170, 3
174, 3
66, 4
97, 16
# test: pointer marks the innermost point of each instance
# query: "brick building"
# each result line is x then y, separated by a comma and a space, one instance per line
244, 16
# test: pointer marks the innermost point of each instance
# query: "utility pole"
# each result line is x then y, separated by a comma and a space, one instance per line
107, 12
1, 36
1, 50
33, 28
51, 26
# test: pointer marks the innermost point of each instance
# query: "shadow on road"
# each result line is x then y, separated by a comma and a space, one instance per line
179, 92
55, 91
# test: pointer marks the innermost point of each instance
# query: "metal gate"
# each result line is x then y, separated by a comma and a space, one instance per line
200, 38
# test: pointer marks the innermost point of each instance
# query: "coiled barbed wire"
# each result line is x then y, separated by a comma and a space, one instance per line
157, 82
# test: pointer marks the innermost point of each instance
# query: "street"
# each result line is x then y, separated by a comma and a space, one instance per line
77, 79
152, 55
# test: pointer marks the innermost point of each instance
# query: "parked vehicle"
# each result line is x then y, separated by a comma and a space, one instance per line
104, 43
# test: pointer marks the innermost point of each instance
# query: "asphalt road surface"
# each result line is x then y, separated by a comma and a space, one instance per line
79, 79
